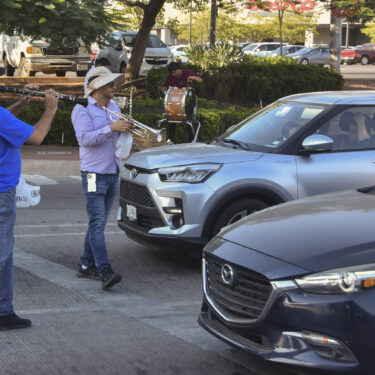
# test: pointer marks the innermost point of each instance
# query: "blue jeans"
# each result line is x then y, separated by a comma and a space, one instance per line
98, 205
7, 220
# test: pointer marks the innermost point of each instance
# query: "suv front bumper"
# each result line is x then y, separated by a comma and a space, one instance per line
156, 213
52, 65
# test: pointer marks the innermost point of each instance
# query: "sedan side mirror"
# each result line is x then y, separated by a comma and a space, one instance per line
317, 143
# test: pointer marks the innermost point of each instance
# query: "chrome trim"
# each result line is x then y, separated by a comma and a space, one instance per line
283, 284
313, 338
230, 319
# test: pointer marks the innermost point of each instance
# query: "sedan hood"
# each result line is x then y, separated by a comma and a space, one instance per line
318, 233
181, 154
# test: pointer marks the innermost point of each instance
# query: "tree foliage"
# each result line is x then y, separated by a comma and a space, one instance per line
59, 21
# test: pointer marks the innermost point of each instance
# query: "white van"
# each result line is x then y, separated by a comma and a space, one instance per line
30, 57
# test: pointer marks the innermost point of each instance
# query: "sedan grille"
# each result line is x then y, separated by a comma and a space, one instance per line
244, 299
156, 61
135, 193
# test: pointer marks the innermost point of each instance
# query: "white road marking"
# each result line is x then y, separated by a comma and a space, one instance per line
56, 225
60, 234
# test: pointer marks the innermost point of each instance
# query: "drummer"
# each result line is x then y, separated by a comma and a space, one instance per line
179, 78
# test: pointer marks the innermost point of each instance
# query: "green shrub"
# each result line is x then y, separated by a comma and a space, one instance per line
211, 58
256, 79
215, 117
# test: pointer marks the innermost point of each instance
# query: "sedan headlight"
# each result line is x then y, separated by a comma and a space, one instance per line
338, 281
192, 174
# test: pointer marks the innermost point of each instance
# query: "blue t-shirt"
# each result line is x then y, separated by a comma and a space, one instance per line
13, 134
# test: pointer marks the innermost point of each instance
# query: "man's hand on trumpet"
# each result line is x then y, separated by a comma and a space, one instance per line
122, 125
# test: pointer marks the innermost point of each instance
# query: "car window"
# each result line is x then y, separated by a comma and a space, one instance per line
129, 40
351, 129
262, 48
314, 51
250, 47
155, 42
325, 50
271, 127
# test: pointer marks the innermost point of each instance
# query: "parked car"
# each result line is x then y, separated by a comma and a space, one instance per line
364, 54
179, 53
260, 49
32, 56
315, 56
182, 195
119, 47
294, 284
287, 50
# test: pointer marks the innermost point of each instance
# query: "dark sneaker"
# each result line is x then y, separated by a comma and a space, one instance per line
109, 278
90, 272
13, 321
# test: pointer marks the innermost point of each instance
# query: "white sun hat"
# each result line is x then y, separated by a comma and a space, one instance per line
100, 77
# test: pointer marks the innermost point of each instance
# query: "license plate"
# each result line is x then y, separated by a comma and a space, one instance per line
131, 212
82, 67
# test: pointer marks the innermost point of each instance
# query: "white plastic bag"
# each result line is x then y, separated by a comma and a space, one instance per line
123, 145
27, 195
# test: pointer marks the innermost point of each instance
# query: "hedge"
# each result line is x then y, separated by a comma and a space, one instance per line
215, 117
255, 80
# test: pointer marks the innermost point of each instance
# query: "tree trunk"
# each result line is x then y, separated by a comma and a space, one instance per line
151, 10
213, 23
335, 38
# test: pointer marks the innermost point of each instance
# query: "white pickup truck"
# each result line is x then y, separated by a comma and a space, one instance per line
34, 56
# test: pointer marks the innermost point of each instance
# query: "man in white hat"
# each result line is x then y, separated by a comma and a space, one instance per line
97, 135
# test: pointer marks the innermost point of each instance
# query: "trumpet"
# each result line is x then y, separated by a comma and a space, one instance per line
141, 129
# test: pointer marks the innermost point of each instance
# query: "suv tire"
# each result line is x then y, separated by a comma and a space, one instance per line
60, 73
235, 211
365, 60
9, 69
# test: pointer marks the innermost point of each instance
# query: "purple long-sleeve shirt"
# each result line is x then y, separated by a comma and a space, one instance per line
95, 138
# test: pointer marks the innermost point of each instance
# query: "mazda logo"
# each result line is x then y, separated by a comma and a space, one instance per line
133, 173
227, 274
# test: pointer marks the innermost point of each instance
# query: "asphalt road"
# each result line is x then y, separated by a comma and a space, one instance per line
144, 325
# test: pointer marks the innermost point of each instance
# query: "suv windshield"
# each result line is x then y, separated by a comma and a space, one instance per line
153, 41
270, 128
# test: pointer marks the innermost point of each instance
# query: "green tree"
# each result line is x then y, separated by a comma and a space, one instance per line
369, 30
59, 21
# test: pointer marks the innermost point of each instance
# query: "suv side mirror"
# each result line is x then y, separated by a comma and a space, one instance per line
317, 143
118, 46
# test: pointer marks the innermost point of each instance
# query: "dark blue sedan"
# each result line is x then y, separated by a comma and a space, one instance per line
295, 283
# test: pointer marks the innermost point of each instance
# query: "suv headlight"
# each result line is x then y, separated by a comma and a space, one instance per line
192, 174
338, 281
34, 50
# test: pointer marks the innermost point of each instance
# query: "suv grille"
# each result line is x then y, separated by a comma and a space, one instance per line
135, 193
156, 61
245, 299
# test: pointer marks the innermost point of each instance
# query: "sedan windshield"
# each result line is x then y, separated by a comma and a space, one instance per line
303, 51
268, 129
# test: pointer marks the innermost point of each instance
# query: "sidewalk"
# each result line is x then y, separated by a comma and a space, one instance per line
50, 160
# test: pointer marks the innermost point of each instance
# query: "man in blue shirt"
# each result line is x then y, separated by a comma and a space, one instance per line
13, 134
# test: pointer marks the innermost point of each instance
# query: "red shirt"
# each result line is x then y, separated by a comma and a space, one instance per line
181, 81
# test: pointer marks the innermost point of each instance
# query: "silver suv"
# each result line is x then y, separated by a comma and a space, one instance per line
119, 47
301, 145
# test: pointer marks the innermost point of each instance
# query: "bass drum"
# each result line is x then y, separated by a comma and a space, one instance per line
180, 105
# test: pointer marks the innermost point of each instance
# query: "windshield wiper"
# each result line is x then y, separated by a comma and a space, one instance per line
237, 143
